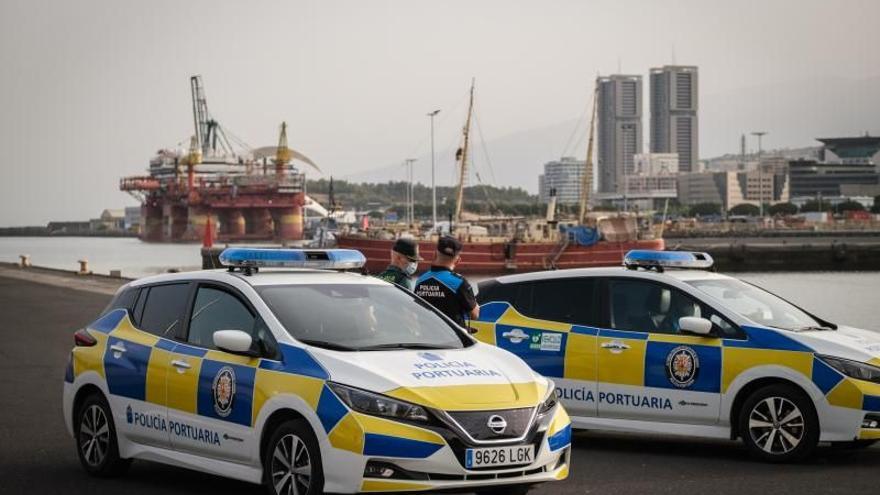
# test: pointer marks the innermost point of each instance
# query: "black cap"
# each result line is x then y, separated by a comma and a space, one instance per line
408, 248
448, 245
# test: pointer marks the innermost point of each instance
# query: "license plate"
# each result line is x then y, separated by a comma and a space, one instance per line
499, 456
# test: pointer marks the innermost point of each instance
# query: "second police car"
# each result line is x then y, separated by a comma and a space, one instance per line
306, 380
664, 344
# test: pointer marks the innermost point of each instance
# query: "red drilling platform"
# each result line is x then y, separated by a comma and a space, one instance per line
256, 194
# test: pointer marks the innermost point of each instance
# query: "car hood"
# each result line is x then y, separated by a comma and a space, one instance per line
846, 342
479, 377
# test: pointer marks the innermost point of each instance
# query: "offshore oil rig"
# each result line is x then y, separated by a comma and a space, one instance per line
220, 191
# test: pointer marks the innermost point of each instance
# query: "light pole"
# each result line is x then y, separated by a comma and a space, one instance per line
410, 208
760, 135
433, 182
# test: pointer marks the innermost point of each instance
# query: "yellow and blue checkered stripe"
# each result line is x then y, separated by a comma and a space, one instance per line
142, 372
644, 363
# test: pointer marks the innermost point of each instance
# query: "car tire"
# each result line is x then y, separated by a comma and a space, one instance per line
778, 423
96, 442
504, 490
293, 456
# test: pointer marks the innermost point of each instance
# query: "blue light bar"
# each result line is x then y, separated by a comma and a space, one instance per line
330, 259
668, 259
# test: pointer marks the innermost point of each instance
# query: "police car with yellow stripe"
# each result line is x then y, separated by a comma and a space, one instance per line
664, 344
306, 380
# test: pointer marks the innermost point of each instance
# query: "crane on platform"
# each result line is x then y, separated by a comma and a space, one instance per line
209, 133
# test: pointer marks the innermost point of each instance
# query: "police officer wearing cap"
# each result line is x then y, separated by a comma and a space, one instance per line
404, 263
446, 290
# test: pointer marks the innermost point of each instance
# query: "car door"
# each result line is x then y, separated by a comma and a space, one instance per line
136, 364
553, 330
647, 369
211, 391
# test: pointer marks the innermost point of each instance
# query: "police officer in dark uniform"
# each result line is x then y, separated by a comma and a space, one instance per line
404, 263
446, 290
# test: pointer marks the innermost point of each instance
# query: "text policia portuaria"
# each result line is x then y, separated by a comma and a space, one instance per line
448, 369
615, 398
183, 430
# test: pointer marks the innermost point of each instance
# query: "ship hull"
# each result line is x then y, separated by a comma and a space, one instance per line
493, 257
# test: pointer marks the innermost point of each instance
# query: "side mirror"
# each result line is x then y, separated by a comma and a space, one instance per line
233, 341
471, 330
695, 325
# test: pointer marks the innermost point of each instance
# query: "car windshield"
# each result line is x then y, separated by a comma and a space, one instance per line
757, 304
355, 317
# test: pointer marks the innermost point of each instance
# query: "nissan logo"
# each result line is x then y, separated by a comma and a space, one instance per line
497, 424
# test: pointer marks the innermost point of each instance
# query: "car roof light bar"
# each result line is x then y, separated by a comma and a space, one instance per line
249, 259
658, 260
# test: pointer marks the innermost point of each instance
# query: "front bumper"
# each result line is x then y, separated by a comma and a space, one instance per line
850, 405
432, 458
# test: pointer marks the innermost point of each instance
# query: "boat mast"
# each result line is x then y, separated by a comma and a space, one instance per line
461, 155
587, 179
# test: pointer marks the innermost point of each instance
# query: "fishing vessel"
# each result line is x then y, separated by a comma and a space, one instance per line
506, 244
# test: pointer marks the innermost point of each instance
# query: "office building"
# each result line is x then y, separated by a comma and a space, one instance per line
811, 178
674, 121
861, 150
732, 188
848, 166
619, 128
565, 176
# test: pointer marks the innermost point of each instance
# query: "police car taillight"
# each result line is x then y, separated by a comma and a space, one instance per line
329, 259
82, 338
659, 260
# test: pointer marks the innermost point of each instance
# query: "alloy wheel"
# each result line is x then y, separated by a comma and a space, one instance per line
291, 466
776, 425
94, 435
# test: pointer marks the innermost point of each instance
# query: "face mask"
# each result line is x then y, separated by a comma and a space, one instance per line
411, 267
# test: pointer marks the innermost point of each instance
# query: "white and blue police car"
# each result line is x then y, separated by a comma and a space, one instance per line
306, 379
664, 344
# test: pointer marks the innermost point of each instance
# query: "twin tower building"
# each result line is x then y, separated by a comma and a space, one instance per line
673, 122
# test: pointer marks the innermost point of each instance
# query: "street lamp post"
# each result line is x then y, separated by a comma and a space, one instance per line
760, 135
410, 208
433, 182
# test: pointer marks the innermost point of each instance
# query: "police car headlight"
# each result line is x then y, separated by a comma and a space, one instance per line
853, 369
379, 405
550, 400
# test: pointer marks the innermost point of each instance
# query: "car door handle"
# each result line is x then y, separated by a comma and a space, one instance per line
118, 348
180, 365
615, 346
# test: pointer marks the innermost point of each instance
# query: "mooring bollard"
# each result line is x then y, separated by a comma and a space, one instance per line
25, 260
83, 267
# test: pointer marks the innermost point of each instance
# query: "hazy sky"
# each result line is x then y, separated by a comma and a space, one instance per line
89, 90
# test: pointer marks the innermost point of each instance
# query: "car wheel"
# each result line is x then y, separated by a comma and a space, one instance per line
96, 442
778, 423
293, 460
505, 490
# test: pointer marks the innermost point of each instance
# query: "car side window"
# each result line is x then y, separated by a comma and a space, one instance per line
217, 309
566, 300
162, 309
644, 306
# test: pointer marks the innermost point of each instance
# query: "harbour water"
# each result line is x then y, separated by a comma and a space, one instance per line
842, 297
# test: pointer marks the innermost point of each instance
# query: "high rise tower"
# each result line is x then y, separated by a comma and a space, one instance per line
674, 121
619, 128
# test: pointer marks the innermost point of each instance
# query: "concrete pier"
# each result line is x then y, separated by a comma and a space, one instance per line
786, 253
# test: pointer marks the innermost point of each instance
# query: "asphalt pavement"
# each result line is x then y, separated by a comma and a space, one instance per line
38, 457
